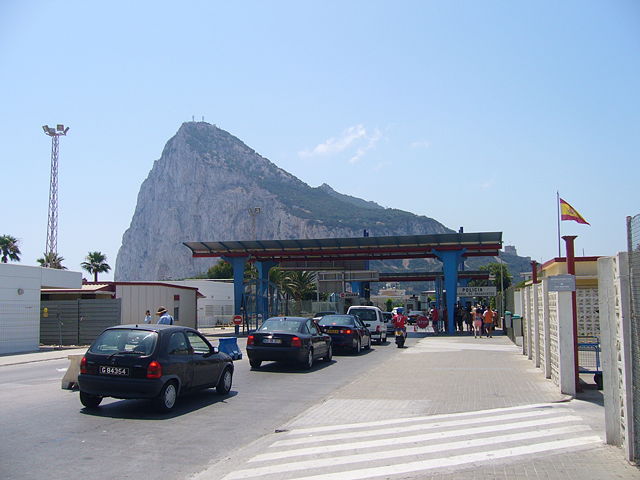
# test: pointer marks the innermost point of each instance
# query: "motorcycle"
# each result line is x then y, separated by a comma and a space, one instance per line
400, 337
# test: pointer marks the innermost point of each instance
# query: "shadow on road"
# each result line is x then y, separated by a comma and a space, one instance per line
144, 409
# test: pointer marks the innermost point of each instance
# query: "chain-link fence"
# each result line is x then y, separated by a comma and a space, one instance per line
633, 235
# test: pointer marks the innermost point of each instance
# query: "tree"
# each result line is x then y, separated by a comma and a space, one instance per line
52, 260
301, 284
221, 269
96, 262
389, 305
9, 249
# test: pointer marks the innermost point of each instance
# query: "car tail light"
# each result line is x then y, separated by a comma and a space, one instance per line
154, 370
347, 331
377, 328
250, 340
296, 342
83, 365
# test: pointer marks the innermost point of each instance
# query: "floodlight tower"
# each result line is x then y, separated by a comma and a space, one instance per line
52, 220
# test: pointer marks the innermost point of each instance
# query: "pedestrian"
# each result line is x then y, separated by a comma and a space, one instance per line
488, 322
164, 317
434, 320
147, 317
477, 322
466, 318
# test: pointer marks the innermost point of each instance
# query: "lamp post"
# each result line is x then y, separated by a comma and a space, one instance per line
52, 218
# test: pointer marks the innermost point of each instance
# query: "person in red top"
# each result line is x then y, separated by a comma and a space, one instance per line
400, 321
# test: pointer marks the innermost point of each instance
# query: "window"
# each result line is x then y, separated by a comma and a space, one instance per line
125, 341
198, 344
178, 344
312, 328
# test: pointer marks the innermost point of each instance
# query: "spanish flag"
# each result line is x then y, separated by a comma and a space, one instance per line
570, 213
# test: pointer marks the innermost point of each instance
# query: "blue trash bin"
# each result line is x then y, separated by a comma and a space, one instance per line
229, 345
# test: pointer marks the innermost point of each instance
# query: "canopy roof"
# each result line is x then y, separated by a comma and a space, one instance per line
353, 248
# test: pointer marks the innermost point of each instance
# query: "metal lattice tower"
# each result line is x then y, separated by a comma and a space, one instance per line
52, 219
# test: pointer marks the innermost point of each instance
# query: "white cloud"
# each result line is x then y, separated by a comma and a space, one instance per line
353, 138
421, 144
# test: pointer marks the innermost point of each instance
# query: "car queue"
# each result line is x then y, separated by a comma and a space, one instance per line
162, 362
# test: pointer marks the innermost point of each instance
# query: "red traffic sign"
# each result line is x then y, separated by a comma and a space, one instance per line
237, 319
422, 321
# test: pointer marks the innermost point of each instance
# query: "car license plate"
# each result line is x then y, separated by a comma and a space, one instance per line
333, 331
271, 340
118, 371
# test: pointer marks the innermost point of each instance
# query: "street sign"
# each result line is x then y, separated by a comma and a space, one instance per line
562, 283
477, 291
237, 319
422, 321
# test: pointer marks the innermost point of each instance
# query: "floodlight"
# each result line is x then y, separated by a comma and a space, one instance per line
66, 130
45, 128
60, 127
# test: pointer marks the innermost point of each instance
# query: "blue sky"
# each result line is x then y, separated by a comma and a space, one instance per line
471, 112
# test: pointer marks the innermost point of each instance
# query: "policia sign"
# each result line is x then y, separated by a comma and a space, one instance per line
477, 291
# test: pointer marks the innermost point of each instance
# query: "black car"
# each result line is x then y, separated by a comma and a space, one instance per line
347, 331
158, 362
293, 339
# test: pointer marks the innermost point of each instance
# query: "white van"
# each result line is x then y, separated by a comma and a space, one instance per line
373, 319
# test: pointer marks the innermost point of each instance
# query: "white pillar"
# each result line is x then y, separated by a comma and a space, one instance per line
536, 325
546, 334
608, 339
566, 355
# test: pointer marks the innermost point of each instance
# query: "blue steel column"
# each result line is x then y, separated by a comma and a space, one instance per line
262, 298
450, 260
237, 263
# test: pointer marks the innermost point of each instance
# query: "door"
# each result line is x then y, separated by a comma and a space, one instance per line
180, 359
206, 364
318, 340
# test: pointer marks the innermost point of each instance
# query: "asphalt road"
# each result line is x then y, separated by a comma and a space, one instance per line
47, 433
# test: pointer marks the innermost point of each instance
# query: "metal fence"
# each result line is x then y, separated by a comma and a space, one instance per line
633, 236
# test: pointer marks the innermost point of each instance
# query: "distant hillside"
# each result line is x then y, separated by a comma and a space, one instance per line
202, 188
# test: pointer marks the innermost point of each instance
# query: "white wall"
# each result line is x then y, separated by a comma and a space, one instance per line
20, 303
139, 297
216, 305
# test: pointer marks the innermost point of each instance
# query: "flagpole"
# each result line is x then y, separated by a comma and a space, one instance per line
558, 210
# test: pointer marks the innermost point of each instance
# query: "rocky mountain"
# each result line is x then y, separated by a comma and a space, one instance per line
202, 188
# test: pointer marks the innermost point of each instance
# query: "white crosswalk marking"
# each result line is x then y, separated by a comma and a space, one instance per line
376, 449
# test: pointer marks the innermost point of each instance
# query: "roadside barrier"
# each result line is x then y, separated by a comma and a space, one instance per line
70, 379
229, 345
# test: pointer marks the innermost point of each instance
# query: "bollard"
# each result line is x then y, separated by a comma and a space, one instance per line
70, 379
229, 345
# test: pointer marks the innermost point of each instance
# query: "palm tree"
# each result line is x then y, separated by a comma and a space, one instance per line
96, 262
52, 260
301, 284
9, 249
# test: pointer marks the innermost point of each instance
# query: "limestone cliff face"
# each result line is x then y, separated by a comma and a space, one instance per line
201, 189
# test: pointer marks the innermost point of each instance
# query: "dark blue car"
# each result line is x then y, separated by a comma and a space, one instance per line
346, 331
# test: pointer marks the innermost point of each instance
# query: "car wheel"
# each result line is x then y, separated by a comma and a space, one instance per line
309, 361
329, 355
224, 385
368, 345
255, 363
357, 348
90, 401
166, 399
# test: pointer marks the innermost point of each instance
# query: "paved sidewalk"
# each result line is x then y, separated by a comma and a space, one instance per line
443, 408
42, 355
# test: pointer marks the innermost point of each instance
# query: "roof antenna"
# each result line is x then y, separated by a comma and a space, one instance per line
193, 118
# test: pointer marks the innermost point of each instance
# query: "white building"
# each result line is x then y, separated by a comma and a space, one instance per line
20, 287
215, 302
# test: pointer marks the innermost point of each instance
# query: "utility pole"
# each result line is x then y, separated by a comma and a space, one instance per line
52, 220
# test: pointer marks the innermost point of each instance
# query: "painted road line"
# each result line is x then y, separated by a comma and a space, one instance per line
467, 458
317, 450
396, 421
413, 428
403, 452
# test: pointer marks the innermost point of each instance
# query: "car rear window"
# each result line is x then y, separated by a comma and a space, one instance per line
140, 342
345, 320
280, 325
365, 314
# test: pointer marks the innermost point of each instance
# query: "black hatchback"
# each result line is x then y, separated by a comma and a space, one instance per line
157, 362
